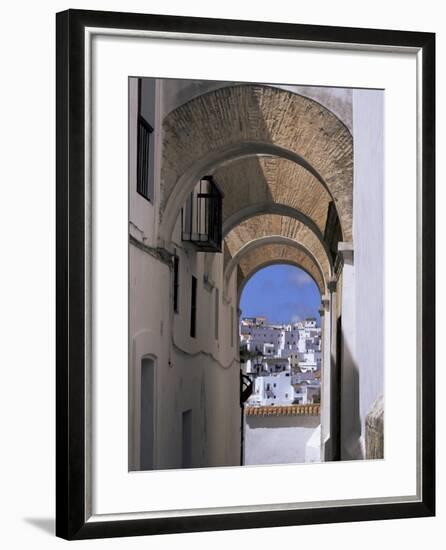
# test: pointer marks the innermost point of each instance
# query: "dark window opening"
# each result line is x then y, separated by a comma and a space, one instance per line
193, 308
144, 176
176, 283
144, 131
147, 424
217, 313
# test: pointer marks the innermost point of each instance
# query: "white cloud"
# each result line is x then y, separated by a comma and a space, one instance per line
300, 278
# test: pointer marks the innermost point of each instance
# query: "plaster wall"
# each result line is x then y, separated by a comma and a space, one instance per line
198, 374
190, 373
368, 230
278, 439
143, 220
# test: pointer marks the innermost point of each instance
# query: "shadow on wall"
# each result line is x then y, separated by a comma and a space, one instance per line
297, 421
235, 196
359, 438
350, 416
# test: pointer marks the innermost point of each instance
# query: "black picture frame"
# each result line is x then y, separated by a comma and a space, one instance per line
71, 518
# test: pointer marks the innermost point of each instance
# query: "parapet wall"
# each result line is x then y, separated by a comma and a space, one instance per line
294, 426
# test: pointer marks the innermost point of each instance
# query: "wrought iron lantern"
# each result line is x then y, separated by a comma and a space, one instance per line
246, 388
202, 216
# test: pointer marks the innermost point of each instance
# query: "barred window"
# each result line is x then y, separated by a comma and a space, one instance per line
193, 308
145, 144
143, 185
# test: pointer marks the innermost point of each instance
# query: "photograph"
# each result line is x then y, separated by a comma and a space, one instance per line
256, 261
230, 216
245, 299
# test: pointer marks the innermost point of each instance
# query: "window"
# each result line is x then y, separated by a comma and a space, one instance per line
147, 423
216, 313
143, 178
145, 151
176, 283
193, 308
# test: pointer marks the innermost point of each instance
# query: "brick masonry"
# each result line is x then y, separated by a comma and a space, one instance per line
250, 113
275, 225
263, 180
277, 253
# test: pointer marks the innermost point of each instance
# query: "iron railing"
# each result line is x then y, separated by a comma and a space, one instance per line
202, 216
143, 180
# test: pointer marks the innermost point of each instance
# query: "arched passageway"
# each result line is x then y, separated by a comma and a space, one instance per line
279, 252
269, 225
280, 349
240, 122
245, 176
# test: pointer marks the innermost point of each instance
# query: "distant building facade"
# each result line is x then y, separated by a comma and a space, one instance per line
279, 357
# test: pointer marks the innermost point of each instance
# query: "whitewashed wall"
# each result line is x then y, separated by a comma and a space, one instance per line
368, 214
199, 374
279, 439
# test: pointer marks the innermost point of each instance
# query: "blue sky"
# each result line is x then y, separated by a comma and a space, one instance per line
282, 293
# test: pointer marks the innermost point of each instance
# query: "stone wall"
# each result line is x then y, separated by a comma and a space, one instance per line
374, 430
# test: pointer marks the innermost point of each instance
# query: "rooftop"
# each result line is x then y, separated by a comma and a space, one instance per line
283, 410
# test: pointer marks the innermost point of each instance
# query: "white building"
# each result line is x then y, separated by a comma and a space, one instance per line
299, 342
274, 366
272, 389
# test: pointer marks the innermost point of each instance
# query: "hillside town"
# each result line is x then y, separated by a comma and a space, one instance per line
283, 361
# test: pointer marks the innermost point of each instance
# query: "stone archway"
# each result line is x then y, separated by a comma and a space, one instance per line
263, 183
310, 265
279, 227
250, 120
276, 253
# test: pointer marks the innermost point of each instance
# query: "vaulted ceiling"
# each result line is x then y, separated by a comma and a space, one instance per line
280, 159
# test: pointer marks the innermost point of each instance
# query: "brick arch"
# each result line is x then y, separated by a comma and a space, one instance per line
255, 210
263, 242
277, 253
264, 182
280, 227
246, 120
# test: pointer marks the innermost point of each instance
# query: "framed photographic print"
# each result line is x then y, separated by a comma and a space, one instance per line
245, 274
